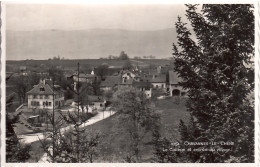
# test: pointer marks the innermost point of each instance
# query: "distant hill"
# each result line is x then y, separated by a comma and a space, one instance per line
88, 44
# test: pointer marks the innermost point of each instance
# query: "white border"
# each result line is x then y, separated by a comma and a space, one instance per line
257, 84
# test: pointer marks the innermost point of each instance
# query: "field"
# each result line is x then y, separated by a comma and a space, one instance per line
115, 146
13, 66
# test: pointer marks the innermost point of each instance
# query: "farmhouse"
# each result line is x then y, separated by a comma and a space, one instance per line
145, 87
41, 96
173, 87
158, 81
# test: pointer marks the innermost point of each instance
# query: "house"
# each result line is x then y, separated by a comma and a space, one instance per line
110, 82
92, 102
126, 74
42, 95
87, 78
127, 82
96, 102
145, 87
158, 81
129, 77
174, 88
23, 70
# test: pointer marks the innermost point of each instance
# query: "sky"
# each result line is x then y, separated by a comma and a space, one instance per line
30, 17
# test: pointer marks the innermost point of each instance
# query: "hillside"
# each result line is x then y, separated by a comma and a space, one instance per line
114, 146
88, 44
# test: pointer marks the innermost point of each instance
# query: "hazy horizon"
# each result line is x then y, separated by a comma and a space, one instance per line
94, 30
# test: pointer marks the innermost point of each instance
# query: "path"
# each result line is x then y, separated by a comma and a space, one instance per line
29, 138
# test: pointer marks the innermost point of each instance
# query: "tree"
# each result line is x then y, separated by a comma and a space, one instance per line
21, 87
137, 116
127, 65
102, 70
59, 77
214, 72
15, 151
34, 79
75, 145
123, 56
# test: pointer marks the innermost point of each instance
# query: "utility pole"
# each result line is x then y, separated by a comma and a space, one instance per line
78, 90
53, 122
77, 155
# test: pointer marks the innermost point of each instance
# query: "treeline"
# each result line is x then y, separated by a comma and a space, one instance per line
124, 56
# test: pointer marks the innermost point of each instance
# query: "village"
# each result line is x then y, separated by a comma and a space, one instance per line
46, 96
129, 83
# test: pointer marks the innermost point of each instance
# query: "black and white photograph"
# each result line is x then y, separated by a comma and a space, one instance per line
129, 83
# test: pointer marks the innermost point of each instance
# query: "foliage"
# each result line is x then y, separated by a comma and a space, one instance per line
214, 70
76, 145
101, 70
123, 56
127, 65
137, 117
21, 86
58, 76
15, 151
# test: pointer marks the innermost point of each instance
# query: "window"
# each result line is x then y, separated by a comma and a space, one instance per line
42, 89
162, 86
101, 105
40, 96
34, 96
49, 103
156, 86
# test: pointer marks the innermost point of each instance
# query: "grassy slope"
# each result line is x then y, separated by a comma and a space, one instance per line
114, 146
115, 142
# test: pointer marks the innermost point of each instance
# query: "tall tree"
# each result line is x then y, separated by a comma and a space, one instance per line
21, 86
15, 150
215, 71
102, 70
137, 116
127, 65
123, 56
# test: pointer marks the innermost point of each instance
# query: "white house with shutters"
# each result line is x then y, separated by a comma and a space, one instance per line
41, 96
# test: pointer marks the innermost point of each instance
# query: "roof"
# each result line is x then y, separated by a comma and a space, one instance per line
173, 78
110, 81
47, 87
158, 78
95, 99
82, 75
142, 84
